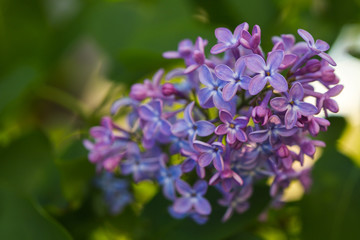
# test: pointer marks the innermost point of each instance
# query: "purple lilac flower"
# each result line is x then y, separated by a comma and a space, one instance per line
236, 80
115, 190
227, 177
326, 103
211, 95
171, 135
233, 128
188, 127
140, 165
266, 72
252, 41
154, 120
261, 113
167, 177
226, 40
149, 89
198, 218
293, 105
108, 149
274, 131
319, 47
210, 153
237, 200
192, 198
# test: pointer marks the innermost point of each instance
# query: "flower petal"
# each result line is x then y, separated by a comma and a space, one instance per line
206, 76
180, 128
230, 137
200, 187
225, 116
327, 58
229, 91
218, 162
205, 95
182, 205
202, 206
205, 159
296, 92
182, 187
223, 35
290, 118
307, 109
204, 128
222, 129
259, 136
257, 84
255, 63
279, 104
146, 113
223, 72
219, 48
241, 135
274, 60
278, 82
306, 36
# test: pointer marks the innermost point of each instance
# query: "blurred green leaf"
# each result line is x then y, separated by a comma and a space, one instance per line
27, 166
15, 84
76, 172
331, 210
21, 219
158, 224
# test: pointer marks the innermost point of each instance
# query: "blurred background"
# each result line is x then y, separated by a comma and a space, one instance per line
62, 64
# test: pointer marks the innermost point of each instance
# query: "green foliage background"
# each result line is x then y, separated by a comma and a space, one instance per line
56, 60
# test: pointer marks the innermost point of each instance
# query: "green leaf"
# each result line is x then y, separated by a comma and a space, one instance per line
158, 224
76, 172
331, 210
15, 84
27, 166
21, 219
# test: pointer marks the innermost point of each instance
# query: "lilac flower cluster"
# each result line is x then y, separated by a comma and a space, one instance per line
227, 120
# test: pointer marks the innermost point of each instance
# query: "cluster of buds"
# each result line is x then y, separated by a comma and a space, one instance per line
226, 121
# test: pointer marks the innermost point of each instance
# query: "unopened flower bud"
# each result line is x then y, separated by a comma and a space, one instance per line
313, 65
138, 92
283, 151
168, 89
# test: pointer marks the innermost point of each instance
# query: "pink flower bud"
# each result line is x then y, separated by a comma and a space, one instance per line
138, 92
168, 89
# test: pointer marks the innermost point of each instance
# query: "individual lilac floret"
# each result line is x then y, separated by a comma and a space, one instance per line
108, 149
261, 113
211, 95
154, 120
252, 41
192, 198
210, 153
293, 105
227, 177
140, 165
237, 200
198, 218
149, 88
236, 80
167, 177
318, 47
274, 131
226, 40
115, 190
327, 103
185, 49
266, 72
188, 127
233, 128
